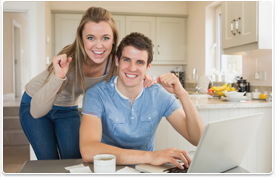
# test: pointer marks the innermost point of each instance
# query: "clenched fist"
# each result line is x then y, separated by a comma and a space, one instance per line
171, 83
61, 65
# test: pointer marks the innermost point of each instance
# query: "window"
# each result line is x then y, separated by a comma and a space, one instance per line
228, 65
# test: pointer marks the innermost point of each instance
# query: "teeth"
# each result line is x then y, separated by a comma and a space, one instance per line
131, 76
98, 52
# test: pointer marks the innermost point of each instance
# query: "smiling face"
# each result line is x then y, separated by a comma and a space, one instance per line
98, 40
132, 67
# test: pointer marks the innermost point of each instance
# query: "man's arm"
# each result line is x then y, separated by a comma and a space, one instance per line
90, 145
187, 122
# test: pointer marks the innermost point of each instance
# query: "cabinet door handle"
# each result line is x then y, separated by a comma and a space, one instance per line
158, 49
232, 27
153, 49
237, 25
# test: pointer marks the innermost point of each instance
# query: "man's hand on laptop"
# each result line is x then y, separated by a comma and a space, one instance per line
170, 155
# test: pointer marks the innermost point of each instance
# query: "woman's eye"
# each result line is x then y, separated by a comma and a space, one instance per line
105, 38
90, 38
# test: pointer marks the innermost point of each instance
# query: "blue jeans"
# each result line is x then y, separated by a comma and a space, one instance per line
58, 131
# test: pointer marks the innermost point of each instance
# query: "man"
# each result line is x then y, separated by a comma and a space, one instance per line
121, 117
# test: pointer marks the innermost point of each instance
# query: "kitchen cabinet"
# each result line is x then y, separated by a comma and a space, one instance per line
65, 30
166, 33
144, 25
66, 26
258, 158
120, 23
246, 25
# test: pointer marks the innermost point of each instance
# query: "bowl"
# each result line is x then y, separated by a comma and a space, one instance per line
234, 94
214, 94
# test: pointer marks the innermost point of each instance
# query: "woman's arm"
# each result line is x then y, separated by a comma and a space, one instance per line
44, 99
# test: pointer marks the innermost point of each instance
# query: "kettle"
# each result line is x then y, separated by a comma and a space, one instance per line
243, 86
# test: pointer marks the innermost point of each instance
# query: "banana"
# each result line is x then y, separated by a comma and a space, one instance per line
232, 89
215, 88
220, 93
222, 88
228, 88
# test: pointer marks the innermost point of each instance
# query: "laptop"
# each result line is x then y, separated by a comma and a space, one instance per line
222, 146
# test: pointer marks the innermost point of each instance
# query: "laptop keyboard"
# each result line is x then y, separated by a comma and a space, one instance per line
176, 170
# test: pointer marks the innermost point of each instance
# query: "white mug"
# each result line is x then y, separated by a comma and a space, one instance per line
256, 95
104, 163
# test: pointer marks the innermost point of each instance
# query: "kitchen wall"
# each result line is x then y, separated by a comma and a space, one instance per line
197, 48
48, 29
151, 7
40, 28
39, 16
264, 63
20, 18
36, 32
160, 7
196, 38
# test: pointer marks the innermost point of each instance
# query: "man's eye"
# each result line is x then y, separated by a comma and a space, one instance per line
126, 59
90, 38
140, 62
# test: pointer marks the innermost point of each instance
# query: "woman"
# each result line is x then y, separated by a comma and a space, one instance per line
49, 112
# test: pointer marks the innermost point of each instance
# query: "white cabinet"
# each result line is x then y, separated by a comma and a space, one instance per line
66, 26
239, 23
258, 158
65, 30
246, 25
120, 23
166, 33
144, 25
170, 40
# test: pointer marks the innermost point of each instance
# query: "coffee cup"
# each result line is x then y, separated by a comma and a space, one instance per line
104, 163
256, 95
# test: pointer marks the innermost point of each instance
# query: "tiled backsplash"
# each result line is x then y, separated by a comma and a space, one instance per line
268, 89
261, 88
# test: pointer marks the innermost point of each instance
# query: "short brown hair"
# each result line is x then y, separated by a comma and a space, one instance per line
140, 42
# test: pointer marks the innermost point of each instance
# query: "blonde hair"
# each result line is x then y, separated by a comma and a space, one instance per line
76, 49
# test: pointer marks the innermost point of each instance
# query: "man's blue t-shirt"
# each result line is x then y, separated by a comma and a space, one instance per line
126, 125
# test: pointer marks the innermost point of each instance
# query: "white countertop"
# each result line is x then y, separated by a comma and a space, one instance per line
204, 102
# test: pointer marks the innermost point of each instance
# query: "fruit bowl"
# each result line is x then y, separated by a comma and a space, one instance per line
220, 91
214, 94
234, 94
